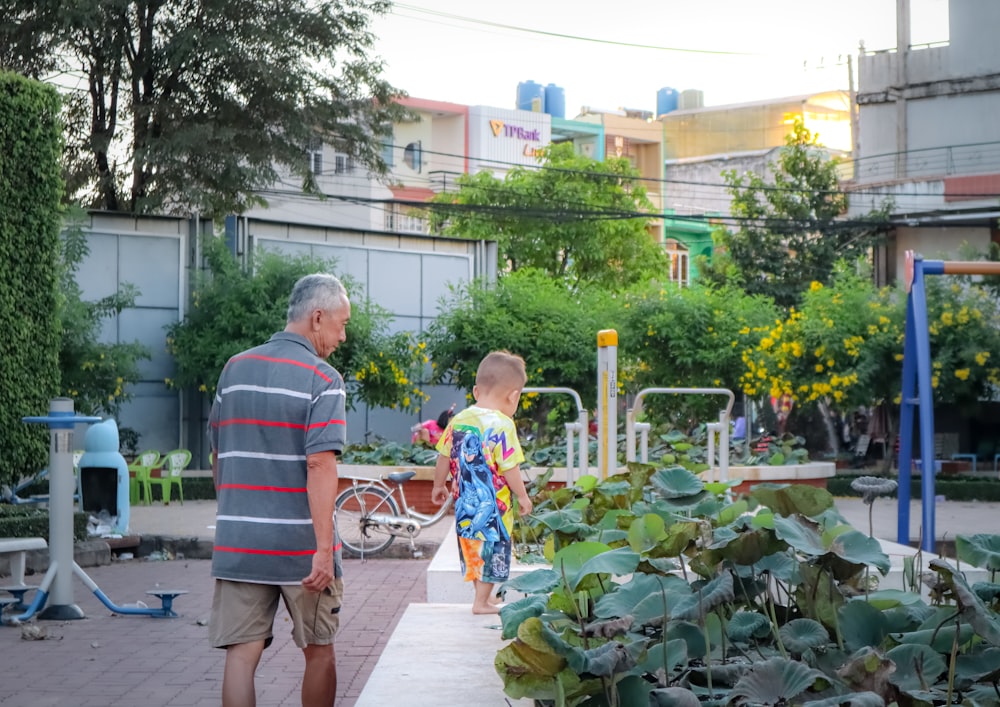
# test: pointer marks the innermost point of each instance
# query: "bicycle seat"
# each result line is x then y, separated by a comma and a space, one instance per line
398, 477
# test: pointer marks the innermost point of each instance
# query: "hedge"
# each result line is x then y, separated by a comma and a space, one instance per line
31, 521
952, 487
30, 191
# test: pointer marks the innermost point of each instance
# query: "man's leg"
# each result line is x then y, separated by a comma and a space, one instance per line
319, 683
237, 680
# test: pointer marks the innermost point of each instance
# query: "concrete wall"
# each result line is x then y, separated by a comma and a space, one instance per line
407, 275
696, 186
150, 253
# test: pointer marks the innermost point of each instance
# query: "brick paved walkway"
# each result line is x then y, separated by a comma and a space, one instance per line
135, 661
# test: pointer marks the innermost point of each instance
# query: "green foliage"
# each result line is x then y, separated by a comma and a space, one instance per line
389, 454
568, 219
95, 374
954, 487
30, 188
30, 521
530, 314
233, 310
789, 230
688, 337
843, 344
777, 602
201, 105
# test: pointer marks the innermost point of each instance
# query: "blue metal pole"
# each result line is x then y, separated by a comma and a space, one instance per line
921, 336
907, 403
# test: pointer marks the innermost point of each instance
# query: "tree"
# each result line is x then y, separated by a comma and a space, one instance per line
198, 104
689, 337
576, 219
789, 230
532, 315
30, 186
234, 309
843, 347
97, 375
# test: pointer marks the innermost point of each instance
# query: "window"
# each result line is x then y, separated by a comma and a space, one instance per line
343, 164
412, 156
388, 151
314, 156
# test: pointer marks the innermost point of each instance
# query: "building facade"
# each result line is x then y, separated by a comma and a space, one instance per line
928, 137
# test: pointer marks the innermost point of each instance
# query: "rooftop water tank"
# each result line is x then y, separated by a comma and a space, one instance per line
666, 100
691, 98
555, 101
531, 96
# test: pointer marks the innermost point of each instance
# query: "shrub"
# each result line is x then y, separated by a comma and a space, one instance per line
30, 148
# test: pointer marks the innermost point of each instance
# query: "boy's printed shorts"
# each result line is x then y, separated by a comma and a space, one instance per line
486, 561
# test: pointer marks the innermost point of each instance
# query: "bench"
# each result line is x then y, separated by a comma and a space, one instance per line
14, 549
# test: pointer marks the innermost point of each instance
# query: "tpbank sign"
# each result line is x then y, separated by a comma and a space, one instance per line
504, 129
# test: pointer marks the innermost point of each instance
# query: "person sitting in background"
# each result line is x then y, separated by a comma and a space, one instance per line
739, 429
430, 432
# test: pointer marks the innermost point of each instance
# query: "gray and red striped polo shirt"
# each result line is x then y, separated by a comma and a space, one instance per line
274, 405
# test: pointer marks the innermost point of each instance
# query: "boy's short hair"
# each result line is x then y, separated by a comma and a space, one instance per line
501, 369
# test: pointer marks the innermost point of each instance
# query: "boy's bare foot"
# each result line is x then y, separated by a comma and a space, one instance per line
496, 600
488, 609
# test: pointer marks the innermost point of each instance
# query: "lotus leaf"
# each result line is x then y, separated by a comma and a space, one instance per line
916, 666
801, 635
980, 550
777, 680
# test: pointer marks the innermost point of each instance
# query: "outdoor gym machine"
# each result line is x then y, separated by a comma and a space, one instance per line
721, 427
574, 430
917, 390
62, 567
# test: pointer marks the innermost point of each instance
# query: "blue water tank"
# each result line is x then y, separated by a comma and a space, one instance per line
531, 96
555, 101
666, 100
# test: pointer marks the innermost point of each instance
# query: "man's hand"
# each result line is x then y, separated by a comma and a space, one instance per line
439, 495
322, 573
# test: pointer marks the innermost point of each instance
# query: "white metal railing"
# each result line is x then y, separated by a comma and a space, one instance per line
974, 158
575, 432
721, 427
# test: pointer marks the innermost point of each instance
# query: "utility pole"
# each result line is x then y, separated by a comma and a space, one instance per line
902, 55
852, 99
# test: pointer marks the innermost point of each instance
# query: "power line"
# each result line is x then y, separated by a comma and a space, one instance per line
869, 191
559, 35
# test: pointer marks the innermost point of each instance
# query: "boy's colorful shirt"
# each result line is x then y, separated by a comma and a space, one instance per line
482, 445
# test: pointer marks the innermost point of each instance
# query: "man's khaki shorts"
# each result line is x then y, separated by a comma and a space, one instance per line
243, 612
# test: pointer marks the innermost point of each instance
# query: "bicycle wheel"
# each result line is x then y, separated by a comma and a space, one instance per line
359, 536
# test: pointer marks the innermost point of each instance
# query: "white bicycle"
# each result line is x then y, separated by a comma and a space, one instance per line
374, 512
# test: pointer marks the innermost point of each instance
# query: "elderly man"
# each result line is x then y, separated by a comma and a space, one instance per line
276, 427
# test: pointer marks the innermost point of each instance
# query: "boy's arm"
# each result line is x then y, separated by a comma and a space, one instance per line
516, 483
439, 493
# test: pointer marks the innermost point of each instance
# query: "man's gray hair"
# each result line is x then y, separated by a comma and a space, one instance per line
312, 292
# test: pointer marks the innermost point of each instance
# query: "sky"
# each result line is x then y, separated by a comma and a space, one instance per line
475, 52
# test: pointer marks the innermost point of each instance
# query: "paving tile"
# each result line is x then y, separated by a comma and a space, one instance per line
106, 660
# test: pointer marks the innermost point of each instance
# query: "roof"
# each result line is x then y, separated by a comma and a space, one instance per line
404, 193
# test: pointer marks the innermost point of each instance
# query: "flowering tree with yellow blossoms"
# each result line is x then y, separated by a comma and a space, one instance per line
689, 337
843, 346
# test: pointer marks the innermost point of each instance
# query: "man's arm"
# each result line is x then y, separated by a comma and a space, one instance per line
321, 486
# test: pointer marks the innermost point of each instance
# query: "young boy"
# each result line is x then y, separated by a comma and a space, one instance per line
480, 452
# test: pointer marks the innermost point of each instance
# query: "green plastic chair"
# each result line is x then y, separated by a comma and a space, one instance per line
171, 466
139, 472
